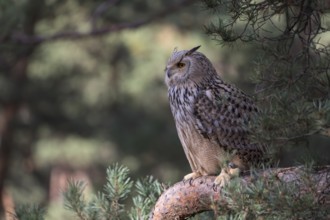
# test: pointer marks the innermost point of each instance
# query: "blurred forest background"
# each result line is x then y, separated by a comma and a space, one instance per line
81, 87
73, 104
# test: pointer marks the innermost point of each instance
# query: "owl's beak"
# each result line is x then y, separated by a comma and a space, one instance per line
168, 73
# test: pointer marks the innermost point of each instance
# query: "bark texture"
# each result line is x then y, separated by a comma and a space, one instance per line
185, 199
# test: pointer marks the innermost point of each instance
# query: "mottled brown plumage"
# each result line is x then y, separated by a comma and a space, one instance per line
212, 117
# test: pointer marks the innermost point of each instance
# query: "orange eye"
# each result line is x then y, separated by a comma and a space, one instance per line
180, 65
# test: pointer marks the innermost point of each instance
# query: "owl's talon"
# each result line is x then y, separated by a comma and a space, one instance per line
226, 174
191, 177
223, 179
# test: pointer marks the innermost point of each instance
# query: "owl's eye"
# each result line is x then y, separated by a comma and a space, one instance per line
180, 65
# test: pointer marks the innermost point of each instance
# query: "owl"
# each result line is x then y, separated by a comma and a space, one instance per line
212, 118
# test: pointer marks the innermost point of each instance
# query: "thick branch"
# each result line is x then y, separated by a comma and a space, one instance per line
186, 199
24, 39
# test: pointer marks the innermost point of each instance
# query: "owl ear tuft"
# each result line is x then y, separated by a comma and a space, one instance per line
192, 50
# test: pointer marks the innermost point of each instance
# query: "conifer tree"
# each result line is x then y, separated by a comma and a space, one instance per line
287, 53
288, 59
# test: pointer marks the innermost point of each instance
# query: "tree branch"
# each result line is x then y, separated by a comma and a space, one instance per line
185, 199
25, 39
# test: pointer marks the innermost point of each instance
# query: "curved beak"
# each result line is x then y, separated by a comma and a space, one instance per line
168, 73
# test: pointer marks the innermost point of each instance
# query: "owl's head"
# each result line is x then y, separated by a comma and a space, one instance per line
188, 67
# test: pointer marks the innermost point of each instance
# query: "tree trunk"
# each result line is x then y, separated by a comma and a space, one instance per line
17, 71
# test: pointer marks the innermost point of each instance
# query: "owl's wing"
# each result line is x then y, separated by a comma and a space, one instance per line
223, 115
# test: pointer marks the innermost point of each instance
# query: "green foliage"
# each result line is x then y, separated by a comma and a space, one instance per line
148, 190
286, 49
111, 203
118, 183
74, 199
268, 198
287, 58
29, 212
264, 198
117, 188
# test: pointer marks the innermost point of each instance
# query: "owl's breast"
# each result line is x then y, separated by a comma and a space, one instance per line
182, 103
204, 155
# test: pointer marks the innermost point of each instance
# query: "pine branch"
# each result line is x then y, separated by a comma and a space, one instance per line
185, 199
29, 212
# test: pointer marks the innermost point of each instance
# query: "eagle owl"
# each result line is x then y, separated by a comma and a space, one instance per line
212, 117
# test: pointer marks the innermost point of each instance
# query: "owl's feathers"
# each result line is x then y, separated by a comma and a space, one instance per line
211, 116
223, 114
